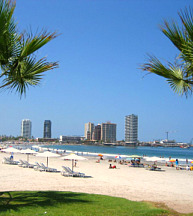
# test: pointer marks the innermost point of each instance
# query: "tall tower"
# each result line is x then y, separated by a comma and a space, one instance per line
26, 127
47, 129
97, 132
88, 130
131, 129
108, 132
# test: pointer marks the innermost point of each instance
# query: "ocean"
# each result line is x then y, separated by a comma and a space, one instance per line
166, 152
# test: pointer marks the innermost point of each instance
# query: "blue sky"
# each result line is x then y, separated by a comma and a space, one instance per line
101, 45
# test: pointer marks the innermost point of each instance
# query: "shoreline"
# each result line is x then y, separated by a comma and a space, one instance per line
162, 159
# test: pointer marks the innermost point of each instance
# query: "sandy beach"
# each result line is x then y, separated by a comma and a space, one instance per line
171, 187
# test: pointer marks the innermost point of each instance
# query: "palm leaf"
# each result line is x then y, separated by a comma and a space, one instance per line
17, 53
179, 76
175, 76
32, 44
28, 73
173, 32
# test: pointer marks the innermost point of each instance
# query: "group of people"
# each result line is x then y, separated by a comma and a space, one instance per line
179, 167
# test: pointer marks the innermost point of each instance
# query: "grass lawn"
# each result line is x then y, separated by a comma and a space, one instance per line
75, 204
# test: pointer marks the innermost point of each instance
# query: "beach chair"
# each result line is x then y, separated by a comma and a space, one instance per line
154, 168
8, 161
4, 161
38, 167
48, 169
28, 165
21, 163
65, 172
72, 173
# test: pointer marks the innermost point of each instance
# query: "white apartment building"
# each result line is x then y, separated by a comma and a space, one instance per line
131, 129
88, 130
26, 127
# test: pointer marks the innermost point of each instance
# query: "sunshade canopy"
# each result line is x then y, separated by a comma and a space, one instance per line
10, 150
28, 151
47, 154
73, 157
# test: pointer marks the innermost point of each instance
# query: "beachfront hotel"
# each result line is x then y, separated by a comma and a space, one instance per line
47, 129
131, 129
97, 133
26, 127
88, 130
108, 132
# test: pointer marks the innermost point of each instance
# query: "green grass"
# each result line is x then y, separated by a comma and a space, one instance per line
50, 203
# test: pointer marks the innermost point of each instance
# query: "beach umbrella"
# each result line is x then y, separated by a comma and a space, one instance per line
100, 155
172, 160
28, 152
11, 150
118, 157
47, 154
73, 157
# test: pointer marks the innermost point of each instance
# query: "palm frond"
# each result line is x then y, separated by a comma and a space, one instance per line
173, 32
186, 17
175, 75
179, 76
7, 30
17, 53
32, 44
27, 73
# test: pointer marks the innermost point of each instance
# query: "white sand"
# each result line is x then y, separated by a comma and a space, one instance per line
172, 187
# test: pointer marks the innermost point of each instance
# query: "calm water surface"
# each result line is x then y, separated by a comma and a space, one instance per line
174, 152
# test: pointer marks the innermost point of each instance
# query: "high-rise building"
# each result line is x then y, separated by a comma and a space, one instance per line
131, 129
47, 129
88, 130
26, 127
97, 133
108, 132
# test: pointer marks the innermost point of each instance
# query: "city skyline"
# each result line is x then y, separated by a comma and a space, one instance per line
100, 48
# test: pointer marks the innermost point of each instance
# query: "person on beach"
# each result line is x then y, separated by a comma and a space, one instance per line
112, 167
11, 157
187, 167
177, 163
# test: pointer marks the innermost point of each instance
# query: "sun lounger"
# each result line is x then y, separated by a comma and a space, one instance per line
64, 172
154, 168
48, 169
68, 172
8, 161
137, 165
28, 165
38, 167
21, 164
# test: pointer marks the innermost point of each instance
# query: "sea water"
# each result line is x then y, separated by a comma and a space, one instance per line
161, 152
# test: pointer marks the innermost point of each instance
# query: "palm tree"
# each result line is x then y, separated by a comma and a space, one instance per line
19, 67
179, 74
